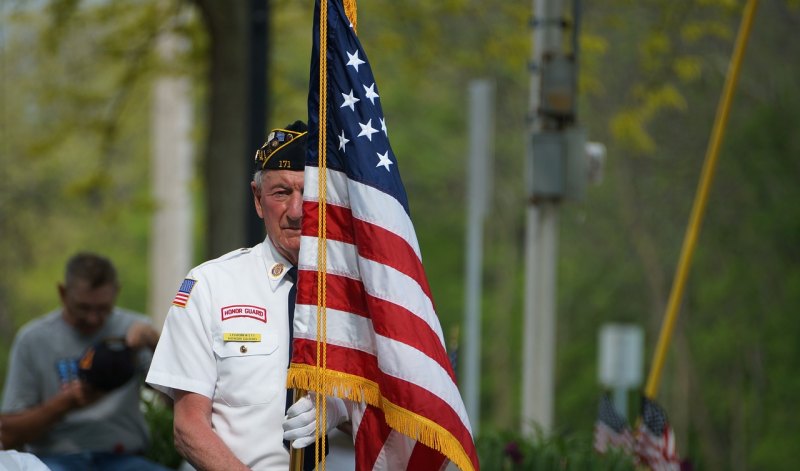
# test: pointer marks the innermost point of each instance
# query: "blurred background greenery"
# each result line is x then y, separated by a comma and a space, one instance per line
76, 80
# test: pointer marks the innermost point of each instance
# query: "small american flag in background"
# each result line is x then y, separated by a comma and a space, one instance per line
182, 297
611, 429
655, 440
385, 348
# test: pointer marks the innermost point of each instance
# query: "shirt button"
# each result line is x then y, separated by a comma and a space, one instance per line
243, 349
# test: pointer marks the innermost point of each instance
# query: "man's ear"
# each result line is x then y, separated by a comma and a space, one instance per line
257, 199
62, 292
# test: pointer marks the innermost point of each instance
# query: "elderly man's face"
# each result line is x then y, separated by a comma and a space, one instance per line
280, 204
85, 308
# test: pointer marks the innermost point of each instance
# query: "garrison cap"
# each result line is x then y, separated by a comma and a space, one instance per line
285, 149
108, 364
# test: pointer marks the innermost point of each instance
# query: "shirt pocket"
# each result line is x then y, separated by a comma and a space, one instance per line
249, 373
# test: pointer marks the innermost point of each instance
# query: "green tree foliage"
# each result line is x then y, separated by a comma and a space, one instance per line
715, 388
73, 147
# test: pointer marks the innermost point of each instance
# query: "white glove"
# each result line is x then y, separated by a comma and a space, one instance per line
300, 423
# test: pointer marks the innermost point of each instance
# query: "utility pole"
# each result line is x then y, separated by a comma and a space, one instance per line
555, 169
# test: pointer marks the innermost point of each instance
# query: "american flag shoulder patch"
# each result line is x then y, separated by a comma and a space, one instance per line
183, 292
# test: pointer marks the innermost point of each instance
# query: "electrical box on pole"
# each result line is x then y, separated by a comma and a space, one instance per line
558, 87
560, 164
560, 160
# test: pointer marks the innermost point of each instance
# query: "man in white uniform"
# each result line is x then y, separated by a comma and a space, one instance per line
224, 350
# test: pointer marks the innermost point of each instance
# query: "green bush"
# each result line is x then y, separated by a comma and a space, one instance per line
508, 451
159, 419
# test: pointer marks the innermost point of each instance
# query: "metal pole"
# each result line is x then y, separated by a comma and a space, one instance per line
297, 455
541, 241
620, 397
700, 201
481, 125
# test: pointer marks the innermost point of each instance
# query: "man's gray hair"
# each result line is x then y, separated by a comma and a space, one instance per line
258, 177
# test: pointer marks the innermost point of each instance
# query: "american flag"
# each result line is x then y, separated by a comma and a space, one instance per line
182, 296
655, 440
611, 430
385, 348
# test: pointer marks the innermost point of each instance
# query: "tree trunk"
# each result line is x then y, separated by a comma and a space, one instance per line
226, 155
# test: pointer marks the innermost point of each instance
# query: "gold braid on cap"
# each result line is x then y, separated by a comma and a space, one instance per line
277, 140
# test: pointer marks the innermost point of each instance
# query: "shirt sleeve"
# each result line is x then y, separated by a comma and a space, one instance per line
184, 358
21, 390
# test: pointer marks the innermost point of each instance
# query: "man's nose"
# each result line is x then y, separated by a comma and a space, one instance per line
94, 317
295, 210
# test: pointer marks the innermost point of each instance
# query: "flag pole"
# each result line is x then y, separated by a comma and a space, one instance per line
296, 454
296, 457
700, 201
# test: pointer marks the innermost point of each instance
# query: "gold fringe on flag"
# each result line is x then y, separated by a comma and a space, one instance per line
350, 11
358, 389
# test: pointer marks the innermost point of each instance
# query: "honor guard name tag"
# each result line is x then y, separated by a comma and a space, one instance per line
244, 310
240, 337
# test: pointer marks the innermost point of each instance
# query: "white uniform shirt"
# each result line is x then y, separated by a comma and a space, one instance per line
226, 337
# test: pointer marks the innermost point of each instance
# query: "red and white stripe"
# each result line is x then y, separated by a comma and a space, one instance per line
606, 438
381, 321
659, 453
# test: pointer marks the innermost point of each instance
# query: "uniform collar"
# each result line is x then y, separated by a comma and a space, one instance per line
275, 264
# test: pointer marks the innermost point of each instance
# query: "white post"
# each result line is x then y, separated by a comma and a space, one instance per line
481, 127
172, 155
620, 364
541, 250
